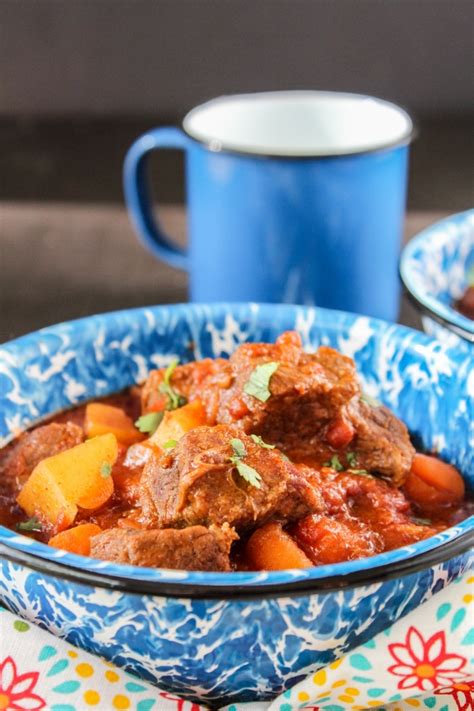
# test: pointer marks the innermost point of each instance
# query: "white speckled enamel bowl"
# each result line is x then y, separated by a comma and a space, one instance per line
434, 267
230, 636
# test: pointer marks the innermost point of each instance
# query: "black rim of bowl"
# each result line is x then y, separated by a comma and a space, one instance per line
465, 335
382, 573
425, 310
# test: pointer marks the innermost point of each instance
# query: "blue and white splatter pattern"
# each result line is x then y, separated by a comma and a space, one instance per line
434, 267
228, 648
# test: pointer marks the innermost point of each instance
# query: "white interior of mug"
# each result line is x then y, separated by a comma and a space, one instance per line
298, 123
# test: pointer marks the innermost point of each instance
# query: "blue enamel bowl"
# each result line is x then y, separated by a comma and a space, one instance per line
434, 268
230, 636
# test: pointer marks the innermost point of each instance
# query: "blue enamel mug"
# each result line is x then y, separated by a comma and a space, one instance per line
295, 197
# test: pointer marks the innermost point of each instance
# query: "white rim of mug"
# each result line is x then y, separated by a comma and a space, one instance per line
217, 146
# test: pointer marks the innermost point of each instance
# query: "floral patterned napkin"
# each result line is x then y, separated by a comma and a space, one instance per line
424, 661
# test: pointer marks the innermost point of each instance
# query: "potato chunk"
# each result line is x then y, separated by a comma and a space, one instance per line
101, 419
80, 476
176, 423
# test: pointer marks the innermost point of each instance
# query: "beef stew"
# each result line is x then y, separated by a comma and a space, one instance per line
272, 459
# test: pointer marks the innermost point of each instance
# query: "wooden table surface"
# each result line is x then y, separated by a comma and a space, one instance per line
63, 261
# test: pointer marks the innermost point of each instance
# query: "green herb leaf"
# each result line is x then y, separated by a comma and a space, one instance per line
258, 440
239, 447
421, 521
360, 472
170, 444
105, 470
259, 381
369, 400
149, 423
351, 459
175, 400
250, 474
33, 524
335, 463
283, 456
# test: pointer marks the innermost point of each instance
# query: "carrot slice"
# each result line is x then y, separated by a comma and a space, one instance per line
77, 539
271, 548
433, 482
438, 474
103, 419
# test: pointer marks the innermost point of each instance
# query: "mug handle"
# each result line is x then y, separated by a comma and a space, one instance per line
138, 194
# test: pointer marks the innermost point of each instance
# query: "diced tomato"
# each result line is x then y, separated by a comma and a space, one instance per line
289, 338
238, 409
339, 433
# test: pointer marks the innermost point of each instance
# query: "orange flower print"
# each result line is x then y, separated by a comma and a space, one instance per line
425, 664
16, 689
462, 693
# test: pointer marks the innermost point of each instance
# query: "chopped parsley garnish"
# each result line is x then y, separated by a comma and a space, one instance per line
421, 521
33, 524
248, 473
351, 457
105, 470
149, 423
175, 400
258, 383
170, 444
258, 440
369, 400
335, 463
239, 447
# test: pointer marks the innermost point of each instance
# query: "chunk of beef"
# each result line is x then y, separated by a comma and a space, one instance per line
307, 392
384, 509
331, 540
363, 516
407, 533
203, 379
315, 408
18, 460
372, 500
193, 548
382, 442
197, 483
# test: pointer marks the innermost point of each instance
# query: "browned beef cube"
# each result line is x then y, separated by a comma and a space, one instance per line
307, 391
314, 409
193, 548
382, 442
18, 460
198, 483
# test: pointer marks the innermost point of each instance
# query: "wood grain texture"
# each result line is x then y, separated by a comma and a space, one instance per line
62, 261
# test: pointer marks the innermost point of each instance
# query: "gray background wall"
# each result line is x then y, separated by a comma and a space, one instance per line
160, 57
80, 79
